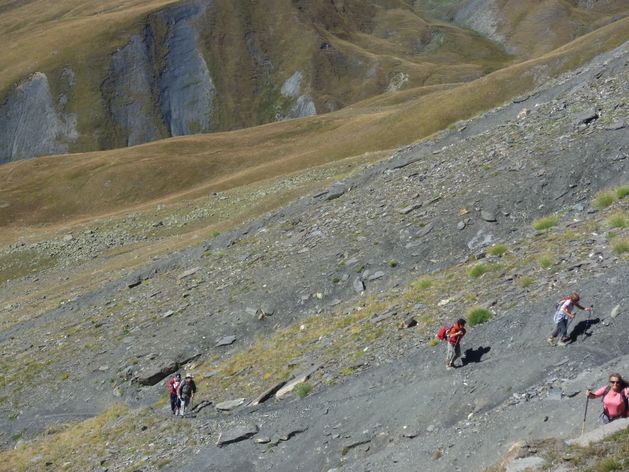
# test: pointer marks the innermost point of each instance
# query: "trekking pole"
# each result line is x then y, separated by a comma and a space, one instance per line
587, 400
589, 317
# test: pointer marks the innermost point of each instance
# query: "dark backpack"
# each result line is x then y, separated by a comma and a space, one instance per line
622, 395
186, 388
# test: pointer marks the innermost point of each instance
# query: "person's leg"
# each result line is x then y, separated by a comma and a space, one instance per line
563, 330
449, 353
555, 332
457, 353
173, 403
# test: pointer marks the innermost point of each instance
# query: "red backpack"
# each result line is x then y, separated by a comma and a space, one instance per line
443, 333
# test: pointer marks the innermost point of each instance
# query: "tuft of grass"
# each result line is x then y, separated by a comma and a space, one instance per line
604, 199
433, 342
478, 270
545, 222
618, 220
423, 284
393, 263
303, 389
477, 316
608, 465
622, 191
621, 246
497, 250
546, 261
526, 281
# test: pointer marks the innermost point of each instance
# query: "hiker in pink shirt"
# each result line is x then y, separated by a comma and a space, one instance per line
615, 395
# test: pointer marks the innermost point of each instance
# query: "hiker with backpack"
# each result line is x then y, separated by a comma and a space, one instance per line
173, 387
186, 392
563, 315
615, 398
453, 335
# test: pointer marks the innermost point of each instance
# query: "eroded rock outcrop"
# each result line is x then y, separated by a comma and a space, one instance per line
130, 84
186, 90
303, 105
159, 85
31, 123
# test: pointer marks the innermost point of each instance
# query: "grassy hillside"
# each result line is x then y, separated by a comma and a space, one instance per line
250, 48
527, 28
60, 189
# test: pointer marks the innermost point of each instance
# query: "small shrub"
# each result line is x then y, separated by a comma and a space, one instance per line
607, 465
303, 389
546, 261
621, 246
545, 222
393, 263
618, 220
478, 270
622, 191
497, 250
604, 199
433, 342
526, 281
478, 316
360, 269
424, 283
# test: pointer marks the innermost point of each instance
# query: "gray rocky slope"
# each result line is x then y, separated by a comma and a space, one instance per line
431, 207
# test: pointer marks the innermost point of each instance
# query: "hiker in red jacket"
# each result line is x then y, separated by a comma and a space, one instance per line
615, 398
173, 387
454, 342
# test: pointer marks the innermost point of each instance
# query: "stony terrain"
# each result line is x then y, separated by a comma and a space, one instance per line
325, 287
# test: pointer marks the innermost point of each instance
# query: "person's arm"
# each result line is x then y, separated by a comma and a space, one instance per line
567, 311
578, 305
598, 393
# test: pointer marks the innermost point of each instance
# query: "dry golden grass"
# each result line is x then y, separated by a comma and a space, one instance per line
41, 34
66, 188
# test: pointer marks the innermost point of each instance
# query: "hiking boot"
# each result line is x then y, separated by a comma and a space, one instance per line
551, 341
561, 343
449, 367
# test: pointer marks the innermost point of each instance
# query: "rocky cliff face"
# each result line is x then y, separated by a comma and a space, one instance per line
159, 85
186, 90
31, 123
130, 86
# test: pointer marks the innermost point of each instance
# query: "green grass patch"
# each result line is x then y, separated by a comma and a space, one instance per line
545, 222
622, 191
423, 283
621, 246
393, 263
526, 281
604, 199
618, 220
303, 389
608, 465
498, 250
546, 261
477, 316
433, 342
478, 270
